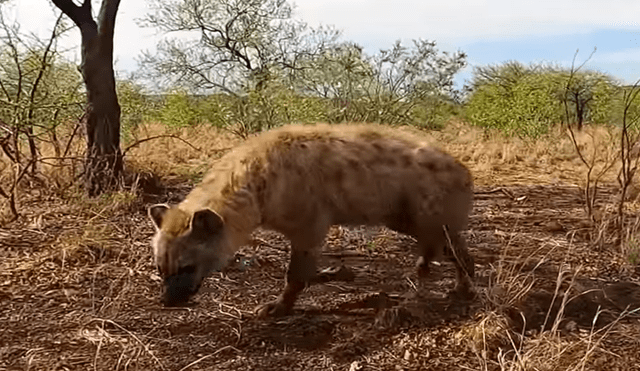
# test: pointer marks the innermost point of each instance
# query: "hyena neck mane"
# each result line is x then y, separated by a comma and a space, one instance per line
242, 216
239, 210
230, 189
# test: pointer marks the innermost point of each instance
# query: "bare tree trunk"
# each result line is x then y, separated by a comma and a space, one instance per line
33, 149
104, 165
580, 115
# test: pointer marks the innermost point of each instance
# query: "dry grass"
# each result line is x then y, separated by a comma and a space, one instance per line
168, 156
562, 345
551, 159
78, 288
493, 157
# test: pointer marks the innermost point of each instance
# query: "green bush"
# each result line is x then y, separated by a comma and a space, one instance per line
615, 114
589, 96
274, 105
526, 108
179, 110
526, 100
133, 105
215, 110
434, 113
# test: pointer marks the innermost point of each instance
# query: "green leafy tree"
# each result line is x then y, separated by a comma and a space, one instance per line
514, 100
588, 96
406, 76
280, 70
38, 91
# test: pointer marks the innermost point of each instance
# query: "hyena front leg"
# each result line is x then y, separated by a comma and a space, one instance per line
456, 251
431, 244
300, 273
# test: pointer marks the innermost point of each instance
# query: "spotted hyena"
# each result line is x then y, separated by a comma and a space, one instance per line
301, 180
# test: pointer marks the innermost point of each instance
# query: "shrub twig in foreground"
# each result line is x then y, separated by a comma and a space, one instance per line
140, 141
628, 156
591, 182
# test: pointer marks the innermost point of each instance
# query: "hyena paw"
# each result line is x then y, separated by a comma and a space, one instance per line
273, 309
422, 266
341, 273
462, 292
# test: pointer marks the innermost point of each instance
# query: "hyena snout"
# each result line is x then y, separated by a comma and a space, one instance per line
179, 288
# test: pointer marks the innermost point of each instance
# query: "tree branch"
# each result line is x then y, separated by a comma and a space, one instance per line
80, 15
70, 9
140, 141
107, 18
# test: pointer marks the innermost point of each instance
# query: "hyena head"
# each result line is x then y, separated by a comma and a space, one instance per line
187, 248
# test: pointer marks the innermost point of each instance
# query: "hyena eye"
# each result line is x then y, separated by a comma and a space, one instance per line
187, 269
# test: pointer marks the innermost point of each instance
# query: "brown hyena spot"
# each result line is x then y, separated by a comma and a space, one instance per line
339, 175
378, 146
449, 167
406, 160
353, 163
429, 165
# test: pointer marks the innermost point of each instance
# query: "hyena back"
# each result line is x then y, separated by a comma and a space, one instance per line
301, 180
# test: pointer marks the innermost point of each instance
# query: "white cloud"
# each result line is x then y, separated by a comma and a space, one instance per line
459, 20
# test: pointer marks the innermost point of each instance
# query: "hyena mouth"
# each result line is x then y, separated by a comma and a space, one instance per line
178, 289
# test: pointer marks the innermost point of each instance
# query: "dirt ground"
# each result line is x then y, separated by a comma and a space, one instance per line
79, 291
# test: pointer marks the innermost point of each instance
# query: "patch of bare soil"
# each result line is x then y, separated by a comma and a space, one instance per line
78, 291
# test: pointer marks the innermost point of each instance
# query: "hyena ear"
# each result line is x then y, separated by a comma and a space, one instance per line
156, 213
206, 221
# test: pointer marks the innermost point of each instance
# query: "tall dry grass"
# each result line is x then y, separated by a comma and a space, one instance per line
493, 157
557, 343
169, 152
497, 159
157, 149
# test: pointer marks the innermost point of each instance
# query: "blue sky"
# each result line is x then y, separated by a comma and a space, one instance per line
489, 31
617, 53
